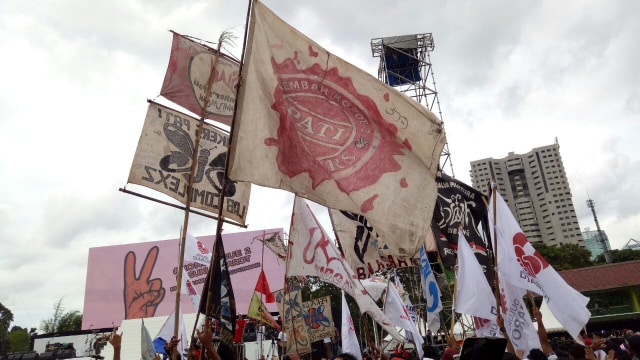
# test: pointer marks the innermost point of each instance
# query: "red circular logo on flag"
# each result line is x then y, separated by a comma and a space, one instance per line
531, 261
330, 131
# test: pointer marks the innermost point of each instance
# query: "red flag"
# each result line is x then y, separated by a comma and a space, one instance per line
262, 286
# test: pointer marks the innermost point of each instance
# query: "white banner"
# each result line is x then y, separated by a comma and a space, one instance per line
162, 162
313, 253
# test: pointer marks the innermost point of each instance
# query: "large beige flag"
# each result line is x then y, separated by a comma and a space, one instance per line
313, 124
162, 162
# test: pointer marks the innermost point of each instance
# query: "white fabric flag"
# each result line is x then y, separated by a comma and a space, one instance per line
166, 333
348, 332
194, 251
312, 252
396, 312
473, 292
521, 265
148, 352
431, 292
516, 317
313, 124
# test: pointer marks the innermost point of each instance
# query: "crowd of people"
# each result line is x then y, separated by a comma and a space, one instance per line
617, 345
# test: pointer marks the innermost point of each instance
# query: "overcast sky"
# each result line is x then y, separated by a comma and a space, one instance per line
75, 76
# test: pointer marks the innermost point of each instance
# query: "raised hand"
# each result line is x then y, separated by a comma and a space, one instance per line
141, 295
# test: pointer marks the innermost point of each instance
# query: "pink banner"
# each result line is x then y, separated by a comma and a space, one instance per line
139, 280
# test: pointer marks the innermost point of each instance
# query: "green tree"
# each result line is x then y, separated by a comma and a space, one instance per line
61, 320
19, 339
6, 317
566, 256
619, 256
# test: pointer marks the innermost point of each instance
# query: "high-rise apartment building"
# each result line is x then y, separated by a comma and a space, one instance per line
536, 188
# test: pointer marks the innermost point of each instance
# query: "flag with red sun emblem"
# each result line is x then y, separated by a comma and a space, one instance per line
310, 123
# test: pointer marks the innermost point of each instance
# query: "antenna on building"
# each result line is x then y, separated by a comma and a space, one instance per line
405, 64
607, 256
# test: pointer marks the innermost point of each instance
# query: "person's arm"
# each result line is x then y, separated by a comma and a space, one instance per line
116, 341
376, 352
206, 339
503, 330
542, 333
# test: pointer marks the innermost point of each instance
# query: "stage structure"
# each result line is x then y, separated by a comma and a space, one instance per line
405, 64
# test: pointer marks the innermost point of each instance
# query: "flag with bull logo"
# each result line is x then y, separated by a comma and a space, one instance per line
313, 124
189, 78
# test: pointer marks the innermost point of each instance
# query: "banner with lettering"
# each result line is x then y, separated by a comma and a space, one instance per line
365, 251
162, 162
318, 317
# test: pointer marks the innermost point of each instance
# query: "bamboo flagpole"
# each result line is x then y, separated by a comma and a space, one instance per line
224, 37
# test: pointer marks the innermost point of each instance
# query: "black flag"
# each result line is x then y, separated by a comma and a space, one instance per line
222, 303
460, 206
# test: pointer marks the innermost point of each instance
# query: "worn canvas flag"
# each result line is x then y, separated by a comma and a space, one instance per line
222, 303
395, 310
262, 287
312, 252
460, 206
521, 265
348, 332
473, 293
365, 251
292, 315
431, 292
162, 162
274, 242
258, 311
318, 317
189, 74
146, 345
310, 123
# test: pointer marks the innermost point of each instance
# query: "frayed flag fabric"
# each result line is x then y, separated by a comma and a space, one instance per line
311, 123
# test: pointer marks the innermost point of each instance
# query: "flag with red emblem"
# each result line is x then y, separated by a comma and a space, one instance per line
313, 124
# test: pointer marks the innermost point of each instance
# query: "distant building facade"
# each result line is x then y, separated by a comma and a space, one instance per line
536, 188
592, 241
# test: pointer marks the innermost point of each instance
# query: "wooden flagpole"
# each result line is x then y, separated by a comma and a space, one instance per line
221, 198
494, 243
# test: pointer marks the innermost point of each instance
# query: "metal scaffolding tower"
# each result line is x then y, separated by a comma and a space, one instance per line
405, 63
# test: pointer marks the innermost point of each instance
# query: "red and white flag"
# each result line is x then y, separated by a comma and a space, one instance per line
348, 332
521, 265
395, 310
313, 124
473, 293
516, 318
312, 252
189, 73
262, 287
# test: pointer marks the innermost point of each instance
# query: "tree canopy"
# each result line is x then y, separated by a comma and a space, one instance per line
566, 256
6, 317
61, 320
619, 256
